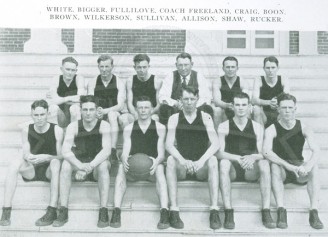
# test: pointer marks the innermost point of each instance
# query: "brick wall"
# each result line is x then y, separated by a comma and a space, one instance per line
293, 42
12, 40
323, 42
138, 41
68, 39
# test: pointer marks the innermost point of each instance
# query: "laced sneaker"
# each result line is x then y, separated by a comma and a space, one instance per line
164, 221
48, 218
5, 217
115, 222
175, 220
229, 222
267, 219
62, 217
103, 219
314, 219
215, 222
282, 218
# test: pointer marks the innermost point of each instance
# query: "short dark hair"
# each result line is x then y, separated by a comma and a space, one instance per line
70, 60
230, 58
88, 98
140, 99
190, 89
141, 57
105, 57
271, 59
40, 103
241, 95
285, 96
184, 55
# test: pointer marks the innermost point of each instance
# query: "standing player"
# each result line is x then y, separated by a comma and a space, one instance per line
265, 92
193, 157
42, 143
283, 146
225, 88
110, 92
170, 92
87, 159
64, 93
141, 84
144, 136
241, 158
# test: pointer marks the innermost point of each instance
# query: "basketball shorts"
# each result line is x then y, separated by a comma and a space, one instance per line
40, 173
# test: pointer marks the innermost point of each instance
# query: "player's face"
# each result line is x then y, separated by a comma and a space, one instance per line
270, 69
142, 69
241, 107
184, 66
39, 116
287, 109
144, 109
189, 101
88, 111
105, 68
230, 68
69, 70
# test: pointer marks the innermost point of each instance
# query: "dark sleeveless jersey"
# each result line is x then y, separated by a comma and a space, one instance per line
228, 93
192, 139
144, 88
288, 144
177, 84
63, 90
267, 92
87, 144
241, 142
144, 142
107, 95
42, 143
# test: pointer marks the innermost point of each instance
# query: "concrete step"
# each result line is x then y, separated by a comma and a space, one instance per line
143, 223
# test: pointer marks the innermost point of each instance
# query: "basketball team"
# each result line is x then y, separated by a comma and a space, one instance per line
178, 128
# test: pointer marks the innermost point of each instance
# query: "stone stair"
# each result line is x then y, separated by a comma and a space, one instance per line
25, 77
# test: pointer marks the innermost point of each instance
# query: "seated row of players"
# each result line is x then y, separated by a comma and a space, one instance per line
237, 144
165, 95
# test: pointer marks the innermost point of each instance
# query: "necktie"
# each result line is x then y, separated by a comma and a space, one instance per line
184, 82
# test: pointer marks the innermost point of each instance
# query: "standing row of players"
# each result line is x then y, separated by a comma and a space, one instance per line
88, 144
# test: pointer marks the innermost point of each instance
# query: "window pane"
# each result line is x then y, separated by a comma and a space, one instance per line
264, 43
236, 43
237, 32
264, 32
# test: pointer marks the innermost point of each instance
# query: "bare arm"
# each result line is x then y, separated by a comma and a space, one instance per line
161, 132
130, 97
223, 131
256, 93
214, 141
158, 84
309, 136
126, 146
92, 86
170, 138
67, 153
106, 145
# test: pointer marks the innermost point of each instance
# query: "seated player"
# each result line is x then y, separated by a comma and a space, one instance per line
265, 91
141, 84
42, 143
170, 92
242, 160
193, 156
225, 88
283, 146
144, 136
64, 93
110, 92
86, 149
